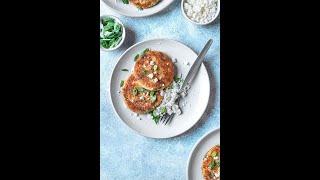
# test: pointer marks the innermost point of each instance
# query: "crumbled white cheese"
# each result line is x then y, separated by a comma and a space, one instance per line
201, 11
155, 80
150, 76
162, 85
147, 93
167, 64
151, 63
217, 174
142, 98
155, 72
144, 66
216, 157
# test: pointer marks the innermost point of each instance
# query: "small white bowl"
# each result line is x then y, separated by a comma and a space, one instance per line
185, 15
123, 32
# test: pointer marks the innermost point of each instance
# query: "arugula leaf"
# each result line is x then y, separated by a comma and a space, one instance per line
155, 67
144, 51
214, 153
140, 9
136, 57
121, 83
125, 1
141, 89
134, 91
124, 70
211, 165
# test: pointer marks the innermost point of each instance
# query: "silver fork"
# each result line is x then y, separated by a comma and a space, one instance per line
193, 70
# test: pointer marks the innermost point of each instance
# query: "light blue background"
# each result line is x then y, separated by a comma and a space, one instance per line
125, 155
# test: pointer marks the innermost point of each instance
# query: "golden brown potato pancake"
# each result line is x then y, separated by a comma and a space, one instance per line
154, 70
137, 99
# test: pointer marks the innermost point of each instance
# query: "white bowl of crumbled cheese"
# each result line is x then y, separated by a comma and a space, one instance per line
200, 12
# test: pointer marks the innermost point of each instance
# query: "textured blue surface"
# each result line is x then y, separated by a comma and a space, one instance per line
126, 155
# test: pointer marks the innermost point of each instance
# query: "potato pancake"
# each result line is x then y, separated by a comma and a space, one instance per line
138, 99
211, 164
154, 70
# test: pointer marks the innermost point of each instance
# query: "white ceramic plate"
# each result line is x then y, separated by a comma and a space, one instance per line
199, 150
198, 94
131, 11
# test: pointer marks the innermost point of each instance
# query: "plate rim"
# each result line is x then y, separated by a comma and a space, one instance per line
195, 146
137, 16
155, 39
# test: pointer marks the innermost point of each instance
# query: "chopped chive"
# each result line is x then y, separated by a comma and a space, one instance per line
153, 98
136, 57
121, 83
155, 67
125, 1
155, 117
124, 70
140, 9
143, 71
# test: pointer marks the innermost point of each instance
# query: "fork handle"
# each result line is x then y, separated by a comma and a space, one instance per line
196, 65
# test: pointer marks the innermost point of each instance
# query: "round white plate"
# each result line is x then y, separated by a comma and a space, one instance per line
131, 11
198, 94
199, 150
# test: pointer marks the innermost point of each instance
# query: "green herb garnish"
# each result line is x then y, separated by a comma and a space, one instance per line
141, 89
151, 93
140, 9
143, 71
218, 162
110, 33
170, 87
211, 165
155, 67
153, 98
182, 80
177, 79
134, 91
213, 154
155, 117
121, 83
163, 110
209, 174
136, 57
124, 70
144, 51
125, 1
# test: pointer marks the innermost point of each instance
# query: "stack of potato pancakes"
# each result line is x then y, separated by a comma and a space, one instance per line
153, 71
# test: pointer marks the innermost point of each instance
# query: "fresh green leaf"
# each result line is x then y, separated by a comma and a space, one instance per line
214, 153
116, 27
151, 93
177, 79
155, 117
153, 98
211, 165
136, 57
141, 89
106, 20
143, 71
121, 83
144, 51
163, 110
140, 9
155, 67
218, 162
124, 70
134, 91
125, 1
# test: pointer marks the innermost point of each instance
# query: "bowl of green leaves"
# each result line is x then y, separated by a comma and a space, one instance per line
112, 33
